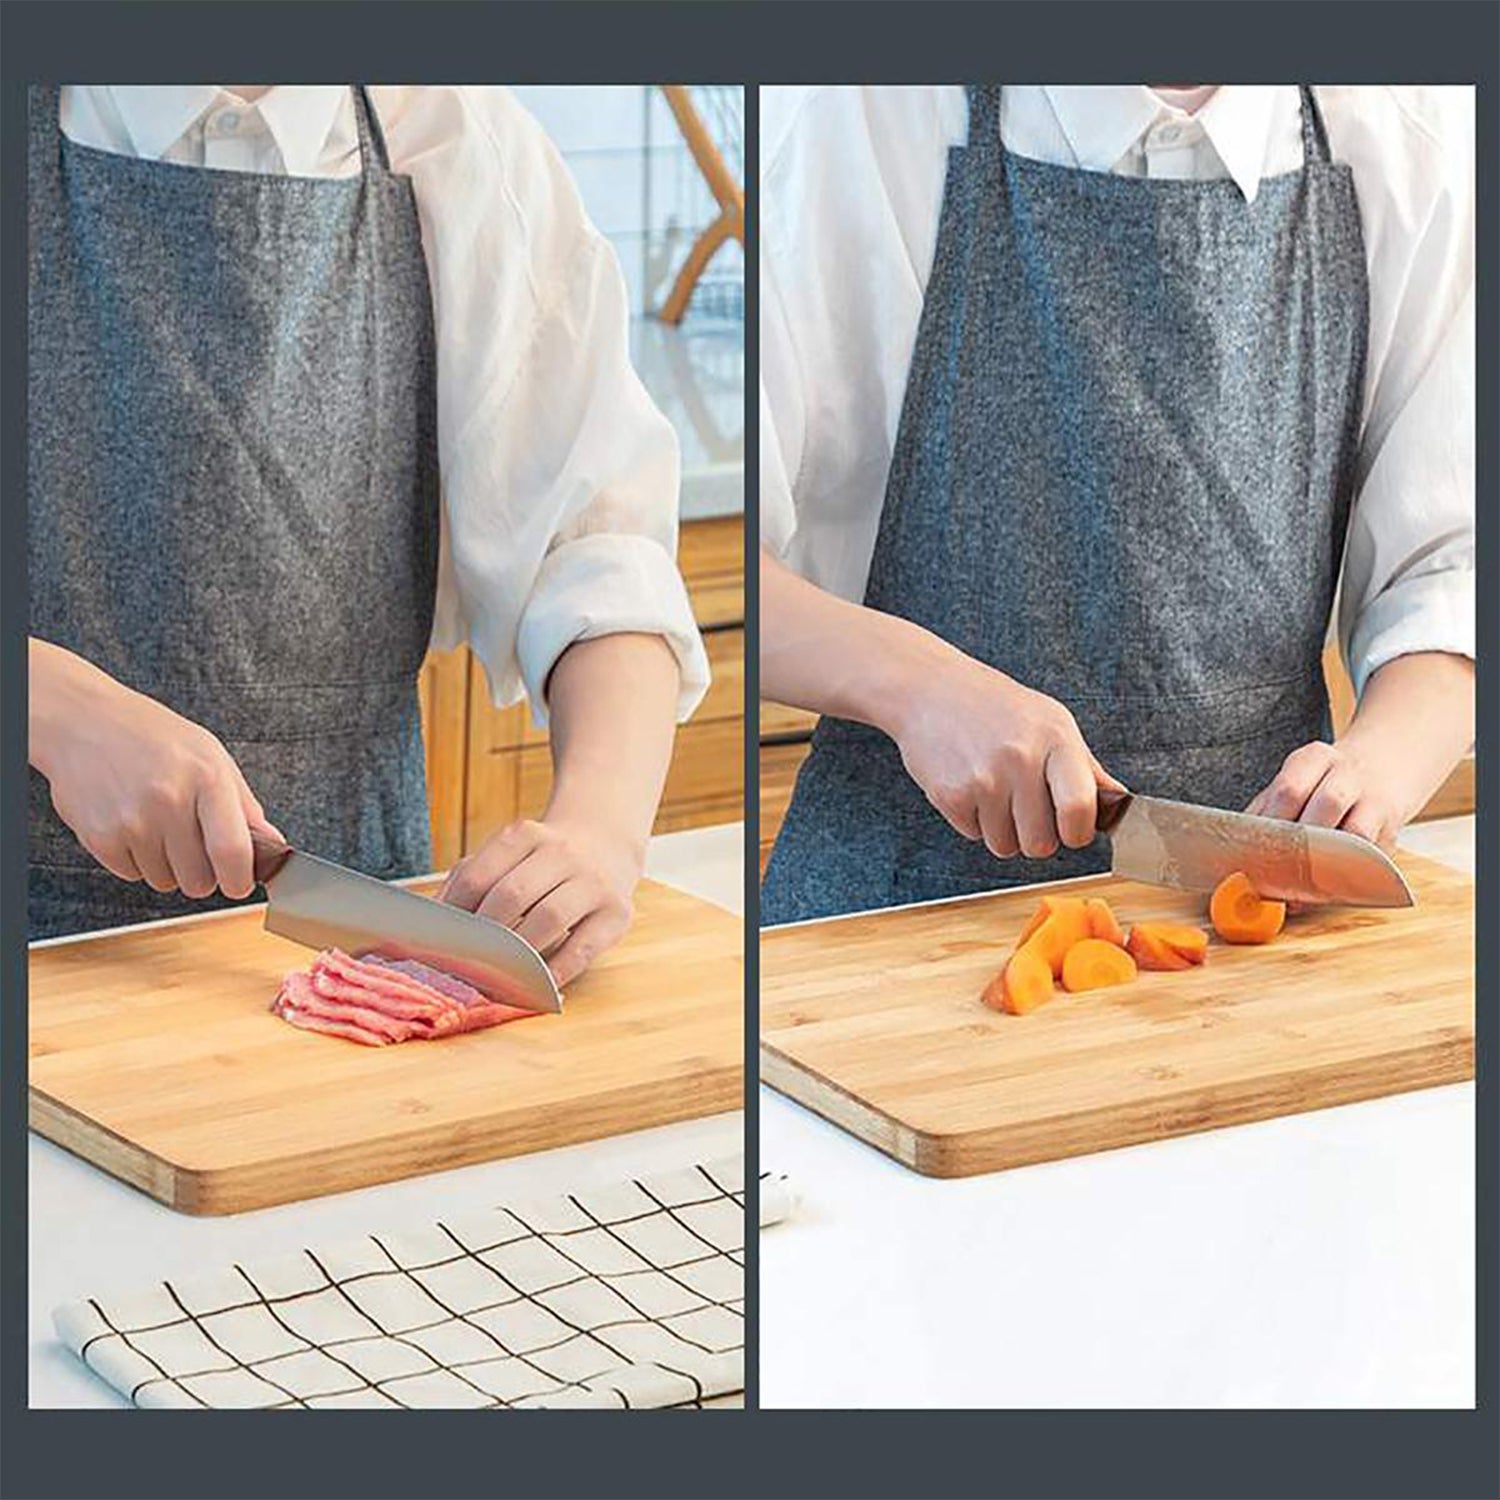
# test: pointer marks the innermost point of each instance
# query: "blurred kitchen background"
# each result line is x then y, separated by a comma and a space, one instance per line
661, 172
645, 189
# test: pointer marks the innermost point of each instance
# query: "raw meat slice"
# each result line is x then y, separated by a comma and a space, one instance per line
299, 999
377, 1001
445, 984
479, 1011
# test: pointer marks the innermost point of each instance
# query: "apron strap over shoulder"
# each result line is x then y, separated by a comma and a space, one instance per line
372, 153
1314, 132
984, 116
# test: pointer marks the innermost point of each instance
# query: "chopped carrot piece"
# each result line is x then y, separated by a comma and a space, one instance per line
1240, 915
1102, 921
1057, 933
1095, 963
1168, 945
1191, 942
1023, 984
1046, 907
1151, 952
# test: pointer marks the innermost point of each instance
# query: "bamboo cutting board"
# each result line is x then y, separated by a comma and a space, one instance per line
875, 1022
154, 1056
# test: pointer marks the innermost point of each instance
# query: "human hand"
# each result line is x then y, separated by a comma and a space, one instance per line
999, 761
150, 794
1378, 775
1356, 784
563, 884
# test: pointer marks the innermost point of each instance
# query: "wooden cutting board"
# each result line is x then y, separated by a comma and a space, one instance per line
154, 1056
875, 1022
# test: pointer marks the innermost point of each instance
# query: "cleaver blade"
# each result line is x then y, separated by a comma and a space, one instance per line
321, 905
1194, 848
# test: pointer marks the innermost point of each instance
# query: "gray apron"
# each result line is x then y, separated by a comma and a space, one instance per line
1122, 475
233, 484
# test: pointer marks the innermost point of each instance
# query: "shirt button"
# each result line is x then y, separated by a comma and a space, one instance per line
1167, 134
229, 121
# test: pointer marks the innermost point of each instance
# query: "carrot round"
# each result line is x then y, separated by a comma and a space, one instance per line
1240, 915
1102, 921
1095, 963
1023, 984
1167, 945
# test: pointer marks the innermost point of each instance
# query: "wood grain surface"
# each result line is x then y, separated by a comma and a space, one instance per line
875, 1022
154, 1055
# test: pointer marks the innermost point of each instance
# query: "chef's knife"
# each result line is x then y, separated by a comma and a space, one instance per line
322, 905
1194, 848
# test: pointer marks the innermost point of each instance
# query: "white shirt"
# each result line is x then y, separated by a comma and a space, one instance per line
559, 474
851, 187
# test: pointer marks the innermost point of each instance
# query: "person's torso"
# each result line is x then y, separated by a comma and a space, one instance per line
1121, 476
233, 482
857, 175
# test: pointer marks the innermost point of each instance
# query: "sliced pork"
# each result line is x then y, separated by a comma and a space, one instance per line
376, 1001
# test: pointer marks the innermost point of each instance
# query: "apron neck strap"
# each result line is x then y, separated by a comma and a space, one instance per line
984, 116
1314, 132
372, 153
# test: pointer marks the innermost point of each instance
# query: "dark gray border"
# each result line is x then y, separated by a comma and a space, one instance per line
1117, 1454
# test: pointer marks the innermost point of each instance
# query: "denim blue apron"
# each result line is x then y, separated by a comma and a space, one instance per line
233, 484
1122, 475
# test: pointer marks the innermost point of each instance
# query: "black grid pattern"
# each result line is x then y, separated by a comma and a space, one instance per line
628, 1296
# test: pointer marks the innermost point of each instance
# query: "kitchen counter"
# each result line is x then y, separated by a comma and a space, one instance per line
89, 1232
1320, 1260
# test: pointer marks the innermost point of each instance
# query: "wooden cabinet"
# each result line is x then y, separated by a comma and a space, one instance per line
785, 733
488, 765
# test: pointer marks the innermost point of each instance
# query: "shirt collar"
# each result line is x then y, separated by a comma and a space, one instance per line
156, 116
1237, 121
299, 117
1103, 123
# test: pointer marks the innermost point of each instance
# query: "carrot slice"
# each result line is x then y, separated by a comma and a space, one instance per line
1167, 945
1095, 963
1046, 907
1240, 915
1102, 921
1150, 951
1057, 933
1023, 984
1189, 941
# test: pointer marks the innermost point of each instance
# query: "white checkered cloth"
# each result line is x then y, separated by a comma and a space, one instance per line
631, 1295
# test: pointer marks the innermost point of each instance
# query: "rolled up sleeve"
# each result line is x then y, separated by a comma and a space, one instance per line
606, 585
1408, 577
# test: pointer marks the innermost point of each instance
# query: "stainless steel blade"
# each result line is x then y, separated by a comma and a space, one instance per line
322, 905
1194, 848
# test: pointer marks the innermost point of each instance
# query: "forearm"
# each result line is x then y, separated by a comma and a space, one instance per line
820, 652
57, 689
1423, 705
612, 703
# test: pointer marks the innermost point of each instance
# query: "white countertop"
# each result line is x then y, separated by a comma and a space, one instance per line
89, 1233
1321, 1260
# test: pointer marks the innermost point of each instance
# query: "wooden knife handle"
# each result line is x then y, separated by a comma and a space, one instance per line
270, 855
1112, 805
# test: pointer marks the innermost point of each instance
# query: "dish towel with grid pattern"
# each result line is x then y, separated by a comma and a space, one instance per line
625, 1296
